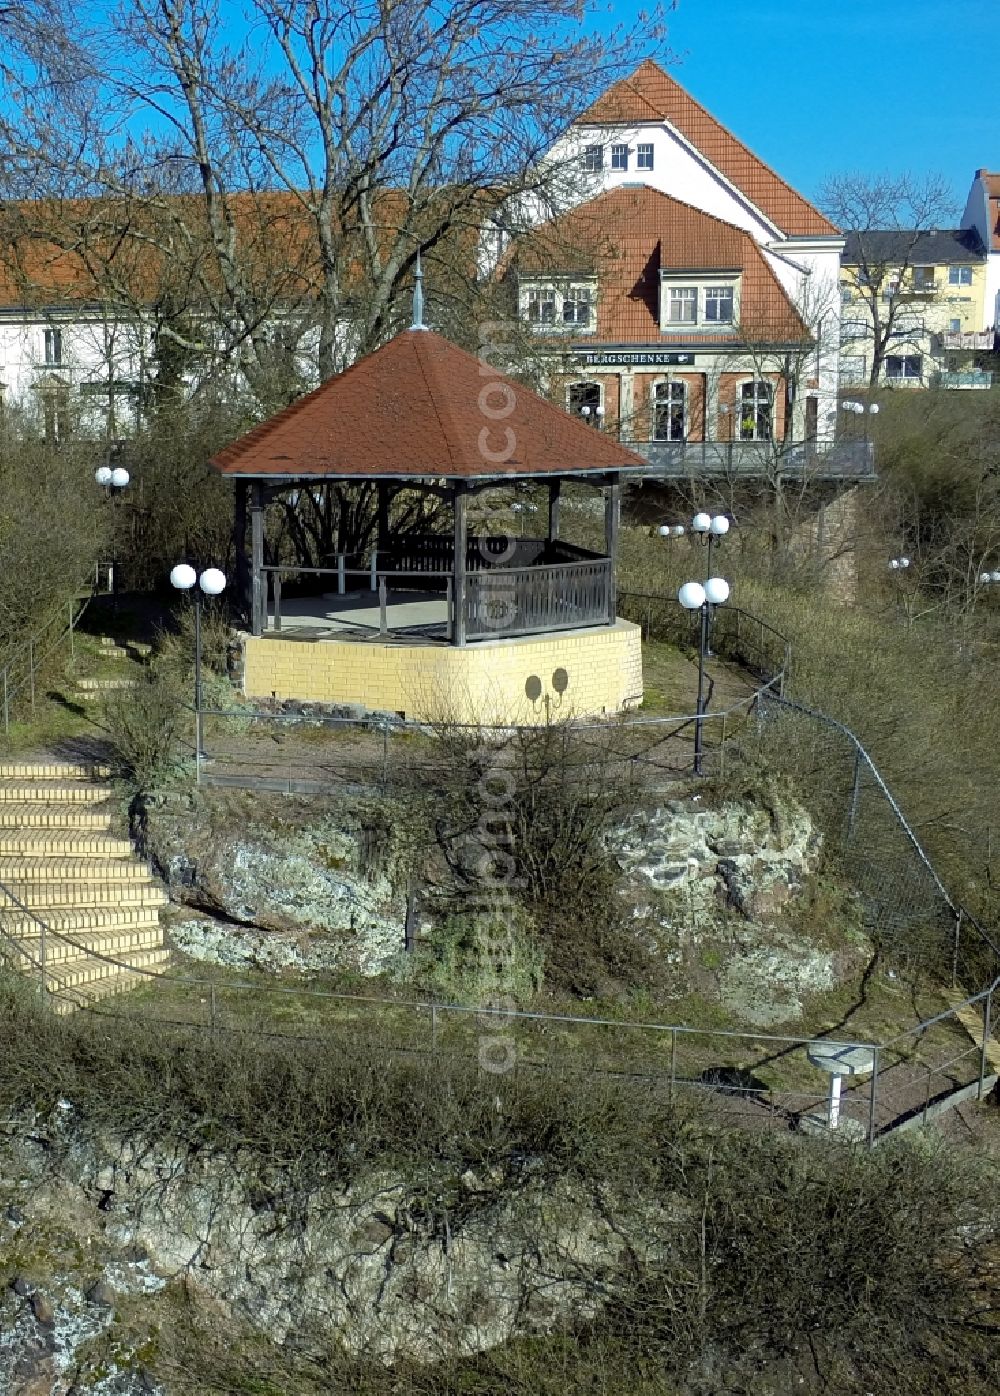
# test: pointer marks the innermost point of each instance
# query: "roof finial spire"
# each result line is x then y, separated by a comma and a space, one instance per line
418, 296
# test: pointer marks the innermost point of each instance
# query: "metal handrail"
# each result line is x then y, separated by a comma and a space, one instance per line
10, 690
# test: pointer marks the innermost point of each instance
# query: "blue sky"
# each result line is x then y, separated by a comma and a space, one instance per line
818, 87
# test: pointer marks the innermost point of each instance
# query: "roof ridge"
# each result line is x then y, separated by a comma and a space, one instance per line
432, 395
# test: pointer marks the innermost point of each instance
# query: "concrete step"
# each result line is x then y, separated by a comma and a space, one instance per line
91, 994
114, 944
126, 647
49, 896
51, 869
971, 1018
39, 815
89, 968
63, 843
41, 792
73, 922
52, 770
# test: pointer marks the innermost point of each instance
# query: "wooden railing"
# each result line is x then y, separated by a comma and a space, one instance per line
528, 600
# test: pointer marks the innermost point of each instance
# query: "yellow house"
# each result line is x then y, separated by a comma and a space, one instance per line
913, 304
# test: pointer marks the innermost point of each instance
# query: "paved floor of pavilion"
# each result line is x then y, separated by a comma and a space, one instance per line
411, 616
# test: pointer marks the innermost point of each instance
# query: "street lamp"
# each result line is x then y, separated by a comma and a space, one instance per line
710, 528
861, 409
899, 564
671, 530
213, 583
694, 596
112, 480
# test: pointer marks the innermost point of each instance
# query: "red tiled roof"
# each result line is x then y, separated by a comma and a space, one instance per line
626, 235
417, 407
649, 94
992, 183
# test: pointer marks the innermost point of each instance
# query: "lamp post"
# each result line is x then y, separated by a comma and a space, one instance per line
671, 530
694, 596
213, 583
710, 529
113, 480
861, 409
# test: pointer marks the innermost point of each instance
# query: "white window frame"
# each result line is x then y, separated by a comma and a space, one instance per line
52, 346
758, 402
917, 377
697, 285
717, 287
593, 159
644, 155
619, 157
655, 403
562, 291
959, 276
685, 297
578, 294
586, 383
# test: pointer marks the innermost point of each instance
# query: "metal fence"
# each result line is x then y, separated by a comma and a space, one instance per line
22, 664
758, 1079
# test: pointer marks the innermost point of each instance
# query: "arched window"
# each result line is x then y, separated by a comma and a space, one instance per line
585, 402
756, 410
670, 412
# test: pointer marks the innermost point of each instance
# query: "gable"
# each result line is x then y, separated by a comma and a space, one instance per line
649, 94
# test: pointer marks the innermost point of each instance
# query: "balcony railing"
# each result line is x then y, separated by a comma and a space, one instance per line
819, 460
971, 378
977, 340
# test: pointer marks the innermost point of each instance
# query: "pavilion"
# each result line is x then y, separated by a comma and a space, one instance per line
478, 627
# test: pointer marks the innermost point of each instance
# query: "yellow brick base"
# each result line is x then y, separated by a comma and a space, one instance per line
483, 682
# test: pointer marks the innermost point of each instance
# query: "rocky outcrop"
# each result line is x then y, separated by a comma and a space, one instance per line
391, 1266
308, 884
716, 893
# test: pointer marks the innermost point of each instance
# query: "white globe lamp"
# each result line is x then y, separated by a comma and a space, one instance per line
692, 596
719, 526
119, 477
716, 591
183, 577
103, 475
212, 581
701, 523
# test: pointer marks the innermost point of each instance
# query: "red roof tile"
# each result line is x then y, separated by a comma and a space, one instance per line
627, 235
651, 95
992, 183
417, 407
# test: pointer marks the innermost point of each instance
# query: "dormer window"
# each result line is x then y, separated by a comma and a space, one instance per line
699, 301
719, 304
541, 308
576, 306
554, 304
682, 305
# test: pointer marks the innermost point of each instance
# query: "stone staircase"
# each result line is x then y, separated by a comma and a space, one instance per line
95, 896
88, 690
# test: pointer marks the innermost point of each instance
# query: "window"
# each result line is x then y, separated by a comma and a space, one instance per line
670, 412
576, 306
542, 305
959, 276
560, 305
55, 413
644, 156
585, 401
755, 411
923, 278
619, 157
593, 158
682, 305
954, 327
846, 295
719, 305
853, 329
891, 288
904, 367
53, 347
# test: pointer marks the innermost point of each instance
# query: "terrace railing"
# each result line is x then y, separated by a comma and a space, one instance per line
810, 460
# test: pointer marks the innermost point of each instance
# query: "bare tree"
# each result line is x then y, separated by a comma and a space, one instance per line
885, 217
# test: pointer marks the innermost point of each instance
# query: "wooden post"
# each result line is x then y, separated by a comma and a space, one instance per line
612, 518
243, 596
461, 541
382, 543
257, 557
555, 487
